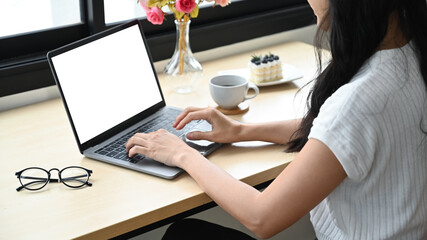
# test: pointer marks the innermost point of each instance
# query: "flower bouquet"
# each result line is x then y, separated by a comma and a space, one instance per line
183, 10
182, 61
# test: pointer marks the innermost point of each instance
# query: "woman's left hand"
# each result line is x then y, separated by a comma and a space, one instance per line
159, 145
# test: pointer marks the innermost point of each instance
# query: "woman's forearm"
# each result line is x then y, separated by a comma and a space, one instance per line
235, 197
277, 132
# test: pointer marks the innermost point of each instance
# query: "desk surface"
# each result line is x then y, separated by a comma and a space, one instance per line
123, 200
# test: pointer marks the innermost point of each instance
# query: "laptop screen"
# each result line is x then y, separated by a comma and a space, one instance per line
106, 81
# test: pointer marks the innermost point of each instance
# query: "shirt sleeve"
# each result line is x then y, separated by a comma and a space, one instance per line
348, 131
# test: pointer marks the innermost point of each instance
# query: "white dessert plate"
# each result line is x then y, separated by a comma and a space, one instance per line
289, 72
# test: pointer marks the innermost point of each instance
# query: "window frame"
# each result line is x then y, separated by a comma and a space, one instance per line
23, 64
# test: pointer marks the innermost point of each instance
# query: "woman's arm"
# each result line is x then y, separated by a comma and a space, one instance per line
226, 130
306, 181
311, 176
278, 132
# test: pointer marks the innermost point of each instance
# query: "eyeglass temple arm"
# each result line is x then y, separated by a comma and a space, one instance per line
54, 180
40, 180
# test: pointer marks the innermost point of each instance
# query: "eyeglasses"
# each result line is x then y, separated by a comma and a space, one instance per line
35, 178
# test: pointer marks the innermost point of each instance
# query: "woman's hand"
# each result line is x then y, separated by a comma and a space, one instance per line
169, 149
160, 145
224, 129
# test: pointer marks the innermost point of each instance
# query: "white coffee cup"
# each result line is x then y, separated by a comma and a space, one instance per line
228, 91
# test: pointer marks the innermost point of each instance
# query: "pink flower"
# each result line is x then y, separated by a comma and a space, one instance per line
222, 3
185, 6
155, 15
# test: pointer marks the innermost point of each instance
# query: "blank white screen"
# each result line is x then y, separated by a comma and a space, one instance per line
107, 81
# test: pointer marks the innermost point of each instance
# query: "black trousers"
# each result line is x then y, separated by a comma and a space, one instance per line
192, 229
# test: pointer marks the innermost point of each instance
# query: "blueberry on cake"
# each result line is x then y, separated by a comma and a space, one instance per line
265, 69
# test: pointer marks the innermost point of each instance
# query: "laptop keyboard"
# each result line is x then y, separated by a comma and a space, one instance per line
117, 150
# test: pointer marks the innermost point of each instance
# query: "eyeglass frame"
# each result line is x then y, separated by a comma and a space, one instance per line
54, 180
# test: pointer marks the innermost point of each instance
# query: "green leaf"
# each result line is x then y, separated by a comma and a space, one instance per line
157, 3
195, 12
178, 14
172, 8
151, 3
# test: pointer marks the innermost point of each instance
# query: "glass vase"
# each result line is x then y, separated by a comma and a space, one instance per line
183, 72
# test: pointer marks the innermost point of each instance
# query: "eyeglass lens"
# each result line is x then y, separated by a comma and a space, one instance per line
34, 178
74, 177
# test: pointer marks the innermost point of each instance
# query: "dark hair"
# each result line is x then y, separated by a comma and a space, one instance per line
355, 29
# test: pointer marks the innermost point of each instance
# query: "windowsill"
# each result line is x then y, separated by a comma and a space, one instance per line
305, 34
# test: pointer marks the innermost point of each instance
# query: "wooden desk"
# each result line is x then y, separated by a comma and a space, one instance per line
122, 200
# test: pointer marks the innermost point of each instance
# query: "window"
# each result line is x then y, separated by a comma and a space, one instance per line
29, 15
23, 64
117, 11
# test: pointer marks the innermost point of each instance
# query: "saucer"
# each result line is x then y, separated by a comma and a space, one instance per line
289, 72
240, 109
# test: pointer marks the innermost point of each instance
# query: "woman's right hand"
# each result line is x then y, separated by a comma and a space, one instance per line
224, 129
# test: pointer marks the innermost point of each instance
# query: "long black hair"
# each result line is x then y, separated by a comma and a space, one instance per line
354, 31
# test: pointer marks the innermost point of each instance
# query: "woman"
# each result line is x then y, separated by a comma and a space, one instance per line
362, 167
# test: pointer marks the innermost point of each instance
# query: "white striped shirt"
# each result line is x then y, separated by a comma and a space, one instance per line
373, 126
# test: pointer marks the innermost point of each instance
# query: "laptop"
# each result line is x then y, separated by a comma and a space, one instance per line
110, 91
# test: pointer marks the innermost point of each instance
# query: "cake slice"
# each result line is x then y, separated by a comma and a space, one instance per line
265, 69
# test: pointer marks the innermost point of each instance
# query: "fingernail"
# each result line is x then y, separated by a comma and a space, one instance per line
189, 135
